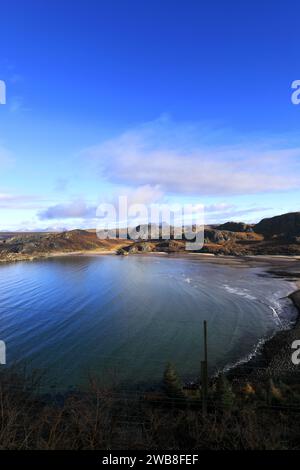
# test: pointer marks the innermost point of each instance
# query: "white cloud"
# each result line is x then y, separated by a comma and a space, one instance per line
156, 155
73, 210
79, 209
145, 194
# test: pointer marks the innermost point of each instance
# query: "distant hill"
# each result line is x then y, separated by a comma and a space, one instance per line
236, 227
35, 245
284, 226
278, 235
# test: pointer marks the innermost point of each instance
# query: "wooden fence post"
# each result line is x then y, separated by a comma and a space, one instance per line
204, 372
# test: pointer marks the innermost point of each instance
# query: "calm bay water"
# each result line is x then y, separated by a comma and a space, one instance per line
123, 318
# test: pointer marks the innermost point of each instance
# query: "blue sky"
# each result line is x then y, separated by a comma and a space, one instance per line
164, 101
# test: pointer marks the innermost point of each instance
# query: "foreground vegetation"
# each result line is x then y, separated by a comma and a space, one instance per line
240, 415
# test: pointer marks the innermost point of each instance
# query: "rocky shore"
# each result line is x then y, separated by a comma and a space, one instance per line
273, 360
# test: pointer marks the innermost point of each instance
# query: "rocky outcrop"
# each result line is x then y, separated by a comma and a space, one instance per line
216, 236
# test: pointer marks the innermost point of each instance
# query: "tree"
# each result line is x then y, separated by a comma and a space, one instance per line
171, 383
224, 393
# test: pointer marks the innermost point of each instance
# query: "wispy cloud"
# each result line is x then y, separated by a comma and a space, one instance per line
18, 201
6, 158
15, 104
223, 212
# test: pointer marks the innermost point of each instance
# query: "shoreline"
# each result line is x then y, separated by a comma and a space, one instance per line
56, 254
269, 259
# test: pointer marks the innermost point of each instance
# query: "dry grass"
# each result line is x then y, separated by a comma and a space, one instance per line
102, 419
